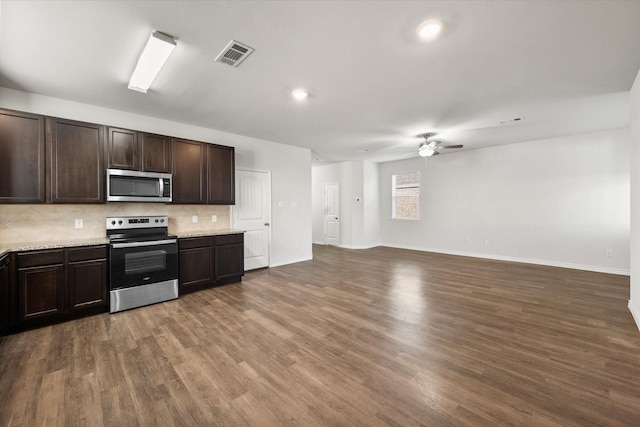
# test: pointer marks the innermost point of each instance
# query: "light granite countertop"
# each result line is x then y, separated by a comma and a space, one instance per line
56, 244
205, 233
52, 244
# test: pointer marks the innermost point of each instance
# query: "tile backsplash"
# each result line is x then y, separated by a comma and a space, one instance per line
37, 223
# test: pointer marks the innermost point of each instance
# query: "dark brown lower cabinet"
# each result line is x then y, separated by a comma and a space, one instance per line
5, 263
59, 284
205, 261
197, 270
88, 287
40, 286
229, 256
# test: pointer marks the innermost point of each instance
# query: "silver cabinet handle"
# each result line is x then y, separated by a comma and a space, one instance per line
266, 224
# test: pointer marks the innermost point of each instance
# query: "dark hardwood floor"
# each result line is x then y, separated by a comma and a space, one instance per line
371, 337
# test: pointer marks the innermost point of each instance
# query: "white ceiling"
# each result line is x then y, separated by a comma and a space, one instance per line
567, 66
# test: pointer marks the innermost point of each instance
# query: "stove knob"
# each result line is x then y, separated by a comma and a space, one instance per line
156, 221
162, 220
120, 222
113, 223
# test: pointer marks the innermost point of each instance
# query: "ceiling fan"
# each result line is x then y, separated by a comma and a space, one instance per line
431, 148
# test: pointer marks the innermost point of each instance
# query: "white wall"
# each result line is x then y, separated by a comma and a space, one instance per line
561, 201
290, 166
359, 216
634, 300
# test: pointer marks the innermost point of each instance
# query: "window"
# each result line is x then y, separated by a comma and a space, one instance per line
406, 195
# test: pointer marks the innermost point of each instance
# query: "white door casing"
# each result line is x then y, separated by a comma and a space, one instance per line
332, 214
252, 213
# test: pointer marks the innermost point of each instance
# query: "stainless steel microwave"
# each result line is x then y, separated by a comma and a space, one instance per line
133, 186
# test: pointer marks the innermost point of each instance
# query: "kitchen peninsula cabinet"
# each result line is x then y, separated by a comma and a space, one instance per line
22, 163
220, 175
188, 172
4, 293
208, 260
76, 151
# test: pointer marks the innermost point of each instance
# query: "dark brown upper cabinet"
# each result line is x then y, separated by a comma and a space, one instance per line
157, 153
76, 152
123, 149
220, 175
188, 172
22, 158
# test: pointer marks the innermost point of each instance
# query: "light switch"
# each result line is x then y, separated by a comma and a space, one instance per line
79, 223
194, 219
214, 218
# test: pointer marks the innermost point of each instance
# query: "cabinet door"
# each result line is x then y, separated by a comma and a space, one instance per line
156, 153
123, 149
22, 159
188, 172
76, 156
4, 294
220, 175
196, 268
40, 292
88, 284
229, 261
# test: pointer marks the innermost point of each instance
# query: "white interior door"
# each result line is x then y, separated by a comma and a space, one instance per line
331, 214
252, 213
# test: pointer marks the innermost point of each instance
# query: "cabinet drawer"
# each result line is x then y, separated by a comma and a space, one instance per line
37, 258
195, 242
228, 239
86, 253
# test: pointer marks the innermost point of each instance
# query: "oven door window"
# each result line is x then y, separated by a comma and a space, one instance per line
145, 262
134, 266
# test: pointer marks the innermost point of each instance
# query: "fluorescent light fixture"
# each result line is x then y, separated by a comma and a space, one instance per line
151, 61
430, 29
299, 94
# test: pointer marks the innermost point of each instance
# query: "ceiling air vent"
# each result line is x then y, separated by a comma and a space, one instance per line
234, 53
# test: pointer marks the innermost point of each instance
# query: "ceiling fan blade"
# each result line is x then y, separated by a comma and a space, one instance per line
450, 146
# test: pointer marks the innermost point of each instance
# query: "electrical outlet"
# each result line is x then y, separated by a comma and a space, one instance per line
468, 240
294, 204
194, 219
281, 204
79, 223
486, 242
214, 218
609, 253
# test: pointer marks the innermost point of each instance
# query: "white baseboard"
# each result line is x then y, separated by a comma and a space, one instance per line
635, 313
358, 247
293, 261
597, 269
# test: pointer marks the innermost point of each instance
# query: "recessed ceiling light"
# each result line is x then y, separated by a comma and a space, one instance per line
430, 29
299, 94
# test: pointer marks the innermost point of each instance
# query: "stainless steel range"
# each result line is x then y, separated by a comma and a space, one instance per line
143, 261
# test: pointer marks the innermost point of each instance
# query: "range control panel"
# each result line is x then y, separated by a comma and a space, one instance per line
126, 222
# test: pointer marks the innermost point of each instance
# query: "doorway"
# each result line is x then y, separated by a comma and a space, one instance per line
252, 213
332, 214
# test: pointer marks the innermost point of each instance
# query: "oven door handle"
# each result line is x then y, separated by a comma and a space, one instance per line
140, 244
